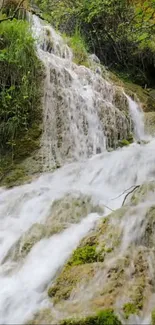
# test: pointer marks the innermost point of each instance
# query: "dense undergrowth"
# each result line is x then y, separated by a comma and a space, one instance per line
120, 32
20, 93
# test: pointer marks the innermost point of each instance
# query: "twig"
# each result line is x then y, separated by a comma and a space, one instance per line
123, 192
108, 208
14, 14
137, 186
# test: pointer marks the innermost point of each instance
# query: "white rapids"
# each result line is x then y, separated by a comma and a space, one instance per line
104, 177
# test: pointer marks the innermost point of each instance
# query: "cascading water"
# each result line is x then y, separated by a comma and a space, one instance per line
138, 120
72, 102
87, 113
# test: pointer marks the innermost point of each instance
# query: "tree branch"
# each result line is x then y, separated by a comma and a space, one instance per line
137, 186
14, 14
123, 192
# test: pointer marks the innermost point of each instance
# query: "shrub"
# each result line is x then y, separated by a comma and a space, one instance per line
78, 45
20, 90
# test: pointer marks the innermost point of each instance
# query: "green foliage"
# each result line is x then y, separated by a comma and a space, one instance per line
79, 47
15, 177
124, 29
129, 308
153, 317
85, 254
20, 90
104, 317
123, 143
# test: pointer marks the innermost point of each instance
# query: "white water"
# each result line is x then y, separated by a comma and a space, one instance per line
138, 120
83, 108
104, 177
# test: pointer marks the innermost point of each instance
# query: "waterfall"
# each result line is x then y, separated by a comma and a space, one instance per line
80, 117
84, 114
138, 120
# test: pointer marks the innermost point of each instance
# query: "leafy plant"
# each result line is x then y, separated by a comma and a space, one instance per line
79, 47
20, 90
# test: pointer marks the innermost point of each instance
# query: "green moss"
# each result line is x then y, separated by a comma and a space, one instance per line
141, 193
153, 317
138, 295
68, 279
16, 177
11, 171
78, 45
146, 96
85, 254
123, 143
104, 317
22, 247
130, 138
129, 308
43, 316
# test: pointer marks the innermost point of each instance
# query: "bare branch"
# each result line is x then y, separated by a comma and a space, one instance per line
108, 208
123, 192
137, 186
14, 14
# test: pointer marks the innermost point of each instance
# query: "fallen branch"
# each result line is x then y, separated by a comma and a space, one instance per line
137, 186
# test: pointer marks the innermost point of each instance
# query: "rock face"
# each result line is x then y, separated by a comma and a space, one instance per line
113, 267
150, 123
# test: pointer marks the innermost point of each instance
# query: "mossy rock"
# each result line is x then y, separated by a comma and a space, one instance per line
13, 171
149, 123
68, 279
136, 92
129, 309
65, 211
123, 143
43, 317
71, 209
15, 178
141, 193
23, 246
86, 283
153, 317
120, 100
149, 235
84, 255
104, 317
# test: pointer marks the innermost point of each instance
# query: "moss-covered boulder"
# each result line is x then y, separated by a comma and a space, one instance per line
141, 193
23, 246
112, 267
63, 212
104, 317
149, 121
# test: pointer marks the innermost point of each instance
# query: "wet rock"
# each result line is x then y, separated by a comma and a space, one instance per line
124, 278
94, 58
64, 212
